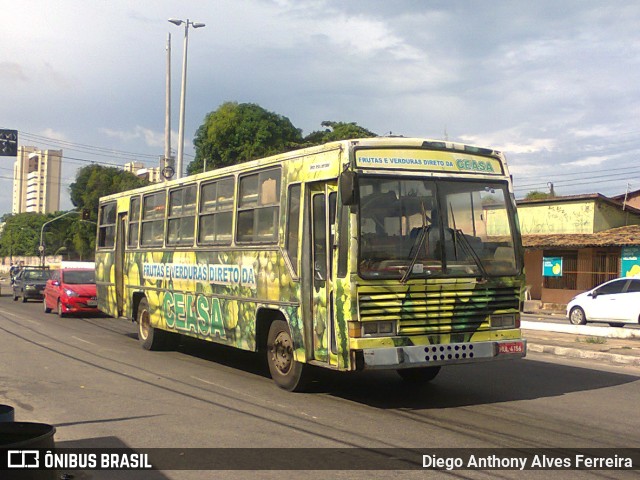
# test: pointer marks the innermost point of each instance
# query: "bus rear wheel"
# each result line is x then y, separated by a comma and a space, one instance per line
286, 372
150, 338
418, 375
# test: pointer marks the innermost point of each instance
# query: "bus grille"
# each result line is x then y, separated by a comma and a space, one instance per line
437, 308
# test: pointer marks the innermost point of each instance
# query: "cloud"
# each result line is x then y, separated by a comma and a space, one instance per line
54, 134
12, 72
150, 137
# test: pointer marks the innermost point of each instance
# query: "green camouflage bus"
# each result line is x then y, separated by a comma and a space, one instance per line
378, 253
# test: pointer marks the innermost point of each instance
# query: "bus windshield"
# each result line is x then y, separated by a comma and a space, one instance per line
416, 228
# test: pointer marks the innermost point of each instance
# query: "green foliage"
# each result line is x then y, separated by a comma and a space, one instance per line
21, 234
69, 235
66, 236
237, 132
95, 181
537, 195
337, 131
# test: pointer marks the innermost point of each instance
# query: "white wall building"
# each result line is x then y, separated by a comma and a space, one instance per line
139, 170
36, 180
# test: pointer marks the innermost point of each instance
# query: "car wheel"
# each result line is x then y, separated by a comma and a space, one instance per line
616, 324
577, 316
46, 309
418, 376
60, 312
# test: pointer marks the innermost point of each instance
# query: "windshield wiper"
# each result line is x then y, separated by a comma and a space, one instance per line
417, 244
468, 248
459, 236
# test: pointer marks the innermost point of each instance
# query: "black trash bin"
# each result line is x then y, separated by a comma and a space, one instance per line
7, 413
25, 436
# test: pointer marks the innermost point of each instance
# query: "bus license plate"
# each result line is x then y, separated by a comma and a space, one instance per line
511, 347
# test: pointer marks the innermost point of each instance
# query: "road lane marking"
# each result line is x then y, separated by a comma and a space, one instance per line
85, 341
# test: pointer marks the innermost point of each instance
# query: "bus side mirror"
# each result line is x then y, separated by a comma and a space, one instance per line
348, 187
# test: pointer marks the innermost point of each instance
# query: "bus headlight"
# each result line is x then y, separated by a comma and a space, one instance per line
377, 329
511, 320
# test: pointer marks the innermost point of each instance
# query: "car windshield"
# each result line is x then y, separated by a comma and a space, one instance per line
417, 228
37, 275
79, 277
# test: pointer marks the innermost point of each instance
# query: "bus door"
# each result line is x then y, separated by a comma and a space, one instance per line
323, 212
121, 238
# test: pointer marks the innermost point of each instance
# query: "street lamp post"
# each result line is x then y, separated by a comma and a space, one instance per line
183, 90
41, 246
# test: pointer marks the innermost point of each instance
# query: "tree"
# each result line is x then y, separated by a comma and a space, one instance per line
337, 131
537, 195
237, 132
21, 234
95, 181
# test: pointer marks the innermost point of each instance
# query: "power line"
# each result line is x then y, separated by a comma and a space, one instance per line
579, 180
85, 148
91, 148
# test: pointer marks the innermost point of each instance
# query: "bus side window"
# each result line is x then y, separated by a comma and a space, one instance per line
216, 212
293, 225
107, 225
182, 216
153, 215
134, 222
343, 239
259, 207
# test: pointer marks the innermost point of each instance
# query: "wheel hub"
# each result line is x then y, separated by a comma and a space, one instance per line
282, 353
144, 324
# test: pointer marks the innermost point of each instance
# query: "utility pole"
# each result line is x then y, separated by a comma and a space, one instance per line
626, 194
183, 90
168, 167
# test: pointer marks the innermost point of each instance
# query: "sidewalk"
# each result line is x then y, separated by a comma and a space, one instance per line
617, 346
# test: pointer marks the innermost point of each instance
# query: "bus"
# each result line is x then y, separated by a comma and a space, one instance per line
378, 253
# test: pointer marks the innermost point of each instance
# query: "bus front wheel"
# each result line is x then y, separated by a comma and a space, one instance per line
418, 375
286, 372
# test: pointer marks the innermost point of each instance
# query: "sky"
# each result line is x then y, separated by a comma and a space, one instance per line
553, 84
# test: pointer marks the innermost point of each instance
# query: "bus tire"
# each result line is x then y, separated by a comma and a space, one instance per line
286, 372
418, 375
150, 338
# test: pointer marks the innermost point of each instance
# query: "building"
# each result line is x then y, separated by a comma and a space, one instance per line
630, 198
139, 170
575, 243
36, 180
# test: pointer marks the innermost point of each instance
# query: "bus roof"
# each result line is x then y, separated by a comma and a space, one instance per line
383, 142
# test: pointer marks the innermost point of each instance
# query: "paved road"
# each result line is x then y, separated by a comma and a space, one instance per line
89, 378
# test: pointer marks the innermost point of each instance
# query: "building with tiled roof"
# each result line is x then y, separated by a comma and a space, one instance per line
596, 237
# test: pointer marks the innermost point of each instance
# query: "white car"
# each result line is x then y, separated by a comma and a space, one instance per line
615, 302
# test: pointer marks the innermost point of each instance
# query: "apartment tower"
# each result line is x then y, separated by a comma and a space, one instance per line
36, 180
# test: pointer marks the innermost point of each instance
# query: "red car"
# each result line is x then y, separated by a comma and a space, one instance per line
71, 290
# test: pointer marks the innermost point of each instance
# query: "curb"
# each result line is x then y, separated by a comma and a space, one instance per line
584, 354
609, 332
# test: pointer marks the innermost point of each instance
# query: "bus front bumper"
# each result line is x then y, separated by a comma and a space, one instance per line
444, 354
